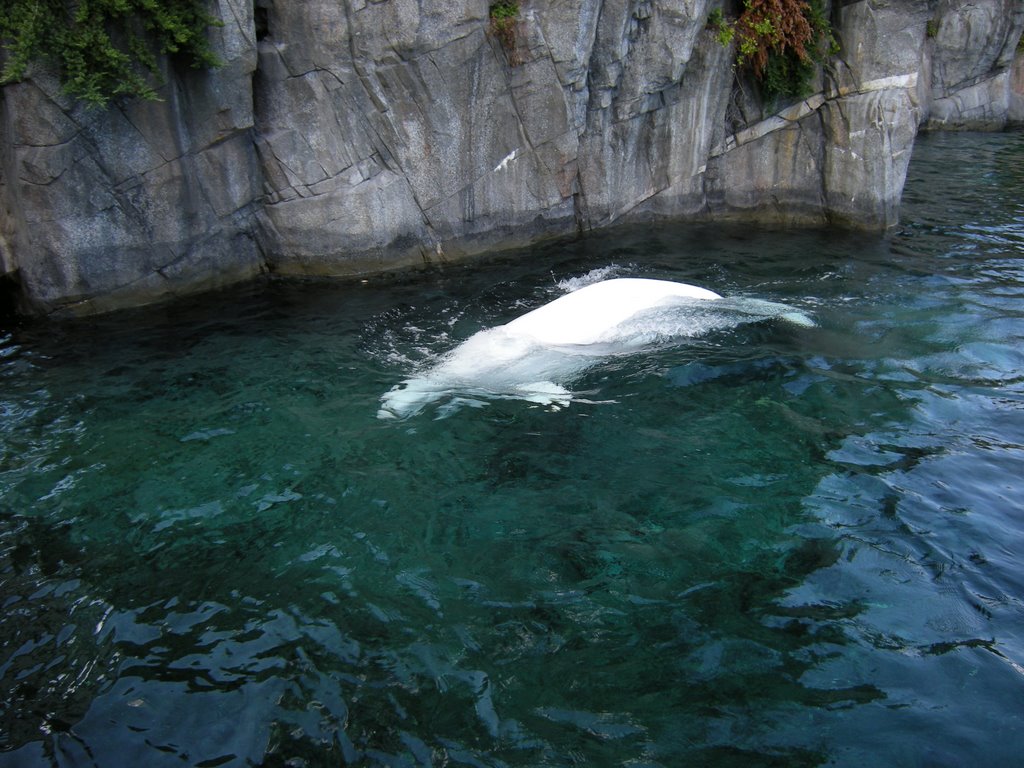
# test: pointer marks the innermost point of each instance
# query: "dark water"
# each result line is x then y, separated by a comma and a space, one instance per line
769, 546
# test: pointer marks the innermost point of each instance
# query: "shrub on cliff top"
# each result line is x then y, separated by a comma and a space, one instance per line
768, 27
504, 18
779, 41
103, 48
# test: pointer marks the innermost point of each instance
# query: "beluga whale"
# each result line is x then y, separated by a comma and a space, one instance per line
537, 355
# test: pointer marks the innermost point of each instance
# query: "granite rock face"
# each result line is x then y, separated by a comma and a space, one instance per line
104, 208
352, 136
970, 61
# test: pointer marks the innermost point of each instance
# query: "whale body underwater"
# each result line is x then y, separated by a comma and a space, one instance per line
536, 355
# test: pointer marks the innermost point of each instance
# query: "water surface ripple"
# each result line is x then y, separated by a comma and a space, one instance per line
767, 546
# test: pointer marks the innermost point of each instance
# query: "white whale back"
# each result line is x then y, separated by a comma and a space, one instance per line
590, 314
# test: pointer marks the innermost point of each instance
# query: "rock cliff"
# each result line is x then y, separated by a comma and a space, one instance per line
359, 135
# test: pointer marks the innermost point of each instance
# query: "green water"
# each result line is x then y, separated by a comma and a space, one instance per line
767, 546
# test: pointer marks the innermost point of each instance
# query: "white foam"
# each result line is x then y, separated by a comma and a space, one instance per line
570, 284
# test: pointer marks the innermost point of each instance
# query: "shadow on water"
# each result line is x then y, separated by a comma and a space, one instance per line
768, 546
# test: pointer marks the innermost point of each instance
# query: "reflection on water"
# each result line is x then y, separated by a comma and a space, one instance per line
771, 545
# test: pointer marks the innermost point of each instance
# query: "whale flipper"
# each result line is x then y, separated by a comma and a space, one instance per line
545, 393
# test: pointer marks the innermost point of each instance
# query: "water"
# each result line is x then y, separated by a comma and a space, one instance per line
766, 546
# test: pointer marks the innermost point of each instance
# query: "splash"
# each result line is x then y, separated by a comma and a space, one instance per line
600, 274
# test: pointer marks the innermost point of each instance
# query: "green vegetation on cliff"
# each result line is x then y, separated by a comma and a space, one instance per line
778, 41
504, 18
104, 48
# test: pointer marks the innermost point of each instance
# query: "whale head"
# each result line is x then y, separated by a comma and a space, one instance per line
493, 363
